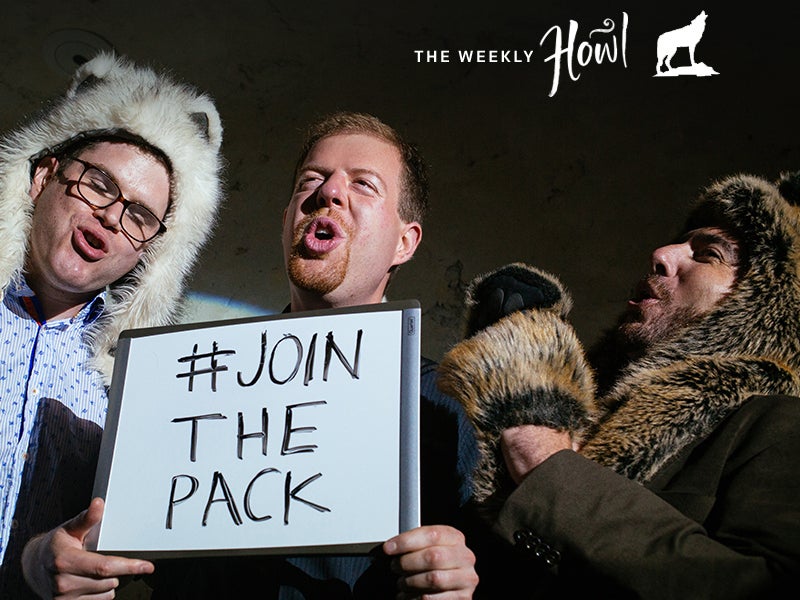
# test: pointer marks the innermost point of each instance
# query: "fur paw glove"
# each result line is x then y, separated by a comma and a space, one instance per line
511, 288
526, 367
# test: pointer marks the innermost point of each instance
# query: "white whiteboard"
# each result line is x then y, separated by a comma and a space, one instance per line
283, 434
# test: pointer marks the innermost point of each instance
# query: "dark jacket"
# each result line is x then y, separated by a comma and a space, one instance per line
721, 520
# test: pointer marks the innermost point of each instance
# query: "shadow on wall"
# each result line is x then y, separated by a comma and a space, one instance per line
200, 308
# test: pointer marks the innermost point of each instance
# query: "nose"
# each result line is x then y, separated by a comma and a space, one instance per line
110, 215
333, 191
667, 260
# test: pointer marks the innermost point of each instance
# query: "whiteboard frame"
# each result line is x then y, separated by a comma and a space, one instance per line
409, 452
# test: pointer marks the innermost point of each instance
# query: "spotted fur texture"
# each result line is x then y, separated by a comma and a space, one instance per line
111, 95
685, 386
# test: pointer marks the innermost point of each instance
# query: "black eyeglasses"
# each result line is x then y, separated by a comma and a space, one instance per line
99, 190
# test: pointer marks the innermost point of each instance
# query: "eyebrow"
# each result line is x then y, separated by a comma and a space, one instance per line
353, 171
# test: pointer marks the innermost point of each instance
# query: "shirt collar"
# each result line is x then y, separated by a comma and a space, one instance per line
19, 289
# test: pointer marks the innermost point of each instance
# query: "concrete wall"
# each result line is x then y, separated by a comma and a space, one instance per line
583, 183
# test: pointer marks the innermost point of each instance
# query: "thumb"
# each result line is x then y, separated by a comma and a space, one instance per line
78, 527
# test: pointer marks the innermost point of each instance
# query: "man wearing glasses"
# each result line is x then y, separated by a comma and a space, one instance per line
100, 191
105, 200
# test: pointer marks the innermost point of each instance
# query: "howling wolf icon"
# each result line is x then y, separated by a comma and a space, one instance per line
684, 37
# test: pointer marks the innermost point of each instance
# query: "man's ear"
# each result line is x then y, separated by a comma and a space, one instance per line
42, 174
408, 242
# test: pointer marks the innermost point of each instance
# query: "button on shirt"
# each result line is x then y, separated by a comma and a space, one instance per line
40, 363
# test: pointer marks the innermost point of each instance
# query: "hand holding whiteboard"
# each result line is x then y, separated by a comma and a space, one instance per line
284, 434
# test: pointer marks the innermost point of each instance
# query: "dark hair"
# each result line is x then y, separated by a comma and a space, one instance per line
413, 202
87, 140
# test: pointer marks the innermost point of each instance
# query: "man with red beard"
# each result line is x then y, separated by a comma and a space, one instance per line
667, 468
360, 193
354, 215
359, 196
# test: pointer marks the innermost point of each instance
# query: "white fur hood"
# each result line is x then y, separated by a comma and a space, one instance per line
110, 95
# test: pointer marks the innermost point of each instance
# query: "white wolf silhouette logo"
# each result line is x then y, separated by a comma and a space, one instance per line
685, 37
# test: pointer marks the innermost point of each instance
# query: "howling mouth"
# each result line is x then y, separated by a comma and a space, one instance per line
93, 241
648, 288
322, 232
642, 292
322, 235
89, 245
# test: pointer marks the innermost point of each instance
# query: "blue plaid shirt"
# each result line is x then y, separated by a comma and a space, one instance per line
52, 408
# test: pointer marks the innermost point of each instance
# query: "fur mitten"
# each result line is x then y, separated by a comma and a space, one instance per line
527, 368
511, 288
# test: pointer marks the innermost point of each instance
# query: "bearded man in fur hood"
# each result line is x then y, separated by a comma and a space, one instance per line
106, 197
666, 464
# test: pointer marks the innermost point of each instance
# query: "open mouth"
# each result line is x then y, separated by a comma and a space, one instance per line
645, 290
93, 240
323, 232
322, 235
89, 245
642, 294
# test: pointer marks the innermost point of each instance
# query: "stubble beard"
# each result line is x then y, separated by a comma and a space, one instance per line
633, 337
316, 280
637, 335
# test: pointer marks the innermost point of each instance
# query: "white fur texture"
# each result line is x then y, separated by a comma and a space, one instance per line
121, 96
